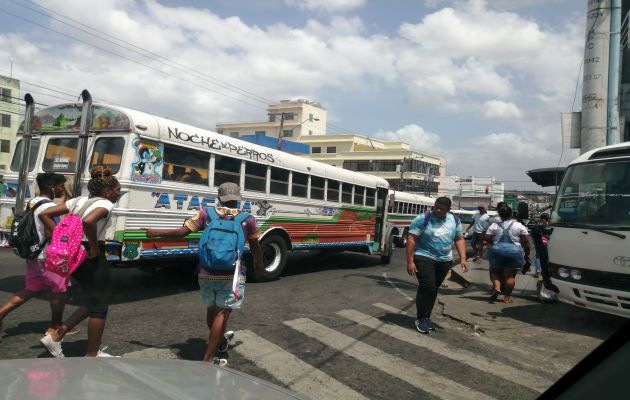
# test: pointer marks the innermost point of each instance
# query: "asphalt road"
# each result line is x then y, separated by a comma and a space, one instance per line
334, 326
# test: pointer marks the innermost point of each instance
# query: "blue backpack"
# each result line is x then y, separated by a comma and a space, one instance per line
222, 242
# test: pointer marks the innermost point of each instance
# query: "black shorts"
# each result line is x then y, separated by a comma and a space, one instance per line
93, 279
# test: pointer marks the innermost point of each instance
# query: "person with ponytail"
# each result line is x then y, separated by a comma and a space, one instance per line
36, 279
93, 276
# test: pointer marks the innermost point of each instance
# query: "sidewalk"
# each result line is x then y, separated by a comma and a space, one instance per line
466, 299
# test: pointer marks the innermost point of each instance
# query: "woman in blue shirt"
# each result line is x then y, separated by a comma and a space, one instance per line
430, 255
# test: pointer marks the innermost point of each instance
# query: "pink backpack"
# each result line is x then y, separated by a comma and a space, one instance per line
65, 253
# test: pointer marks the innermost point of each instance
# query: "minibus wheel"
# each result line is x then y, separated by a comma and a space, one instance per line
274, 255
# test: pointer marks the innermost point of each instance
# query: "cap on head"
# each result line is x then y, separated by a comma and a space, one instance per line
229, 191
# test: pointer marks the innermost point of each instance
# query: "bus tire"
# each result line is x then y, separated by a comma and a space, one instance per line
274, 255
403, 238
386, 257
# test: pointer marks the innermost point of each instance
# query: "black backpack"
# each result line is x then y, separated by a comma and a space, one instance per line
24, 239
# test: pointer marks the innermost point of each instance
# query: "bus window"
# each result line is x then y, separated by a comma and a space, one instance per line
255, 177
185, 165
108, 152
17, 155
279, 181
299, 184
370, 197
358, 195
61, 155
346, 193
333, 191
226, 169
317, 187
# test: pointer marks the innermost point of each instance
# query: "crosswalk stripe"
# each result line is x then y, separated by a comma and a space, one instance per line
529, 358
421, 378
296, 374
460, 355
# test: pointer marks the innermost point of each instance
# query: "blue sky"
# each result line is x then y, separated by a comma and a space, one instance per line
481, 83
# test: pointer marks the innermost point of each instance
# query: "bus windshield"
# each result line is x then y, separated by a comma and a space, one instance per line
594, 194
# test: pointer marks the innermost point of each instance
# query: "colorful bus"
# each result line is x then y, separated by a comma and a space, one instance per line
169, 170
402, 209
589, 249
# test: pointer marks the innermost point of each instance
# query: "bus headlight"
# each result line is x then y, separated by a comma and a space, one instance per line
576, 274
563, 272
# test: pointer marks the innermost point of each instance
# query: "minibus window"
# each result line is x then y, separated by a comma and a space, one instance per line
226, 169
185, 165
299, 184
279, 181
108, 152
333, 191
61, 155
32, 158
255, 176
317, 188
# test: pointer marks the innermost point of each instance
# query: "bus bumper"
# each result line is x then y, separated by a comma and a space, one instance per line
603, 300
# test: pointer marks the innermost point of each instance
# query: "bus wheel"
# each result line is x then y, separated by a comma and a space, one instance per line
403, 239
274, 255
386, 257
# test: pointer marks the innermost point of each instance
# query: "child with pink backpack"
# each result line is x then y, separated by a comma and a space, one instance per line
83, 257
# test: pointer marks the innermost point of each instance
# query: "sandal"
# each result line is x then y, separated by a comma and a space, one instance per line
494, 296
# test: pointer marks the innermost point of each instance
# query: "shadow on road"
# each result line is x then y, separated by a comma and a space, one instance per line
307, 262
565, 318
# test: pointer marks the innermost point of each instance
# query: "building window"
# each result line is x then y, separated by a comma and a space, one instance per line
316, 150
234, 134
6, 120
262, 133
310, 132
5, 146
287, 133
289, 116
310, 117
5, 95
331, 149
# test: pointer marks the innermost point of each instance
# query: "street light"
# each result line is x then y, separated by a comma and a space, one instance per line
281, 132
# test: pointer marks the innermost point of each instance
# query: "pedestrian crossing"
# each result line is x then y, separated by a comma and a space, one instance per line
289, 364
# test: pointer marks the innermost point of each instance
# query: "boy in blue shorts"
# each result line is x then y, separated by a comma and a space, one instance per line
216, 286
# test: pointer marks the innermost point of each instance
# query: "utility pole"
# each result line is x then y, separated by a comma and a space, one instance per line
401, 185
280, 131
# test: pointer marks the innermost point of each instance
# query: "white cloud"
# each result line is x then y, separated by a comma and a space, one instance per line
416, 136
329, 6
501, 109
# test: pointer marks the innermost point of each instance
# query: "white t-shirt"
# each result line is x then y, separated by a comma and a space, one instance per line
39, 225
102, 224
516, 230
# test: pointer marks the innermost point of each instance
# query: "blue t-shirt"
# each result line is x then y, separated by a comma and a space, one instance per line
436, 240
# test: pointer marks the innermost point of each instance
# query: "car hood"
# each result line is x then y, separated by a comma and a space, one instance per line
121, 378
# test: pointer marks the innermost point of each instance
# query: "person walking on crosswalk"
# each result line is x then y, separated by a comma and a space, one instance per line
430, 255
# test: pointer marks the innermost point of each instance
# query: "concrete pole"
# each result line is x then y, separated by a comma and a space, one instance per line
612, 126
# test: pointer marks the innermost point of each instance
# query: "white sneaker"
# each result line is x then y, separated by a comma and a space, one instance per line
101, 353
221, 362
53, 347
229, 335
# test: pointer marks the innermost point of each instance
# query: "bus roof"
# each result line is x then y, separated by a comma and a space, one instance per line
172, 132
621, 150
412, 197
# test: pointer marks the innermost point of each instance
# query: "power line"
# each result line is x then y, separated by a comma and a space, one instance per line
131, 59
149, 54
22, 100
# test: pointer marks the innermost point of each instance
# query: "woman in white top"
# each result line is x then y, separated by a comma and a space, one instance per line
510, 248
36, 279
93, 276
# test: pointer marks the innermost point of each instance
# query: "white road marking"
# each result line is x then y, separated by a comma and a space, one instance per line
529, 358
474, 360
296, 374
421, 378
395, 287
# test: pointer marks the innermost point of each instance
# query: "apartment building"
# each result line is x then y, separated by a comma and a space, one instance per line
10, 110
473, 191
